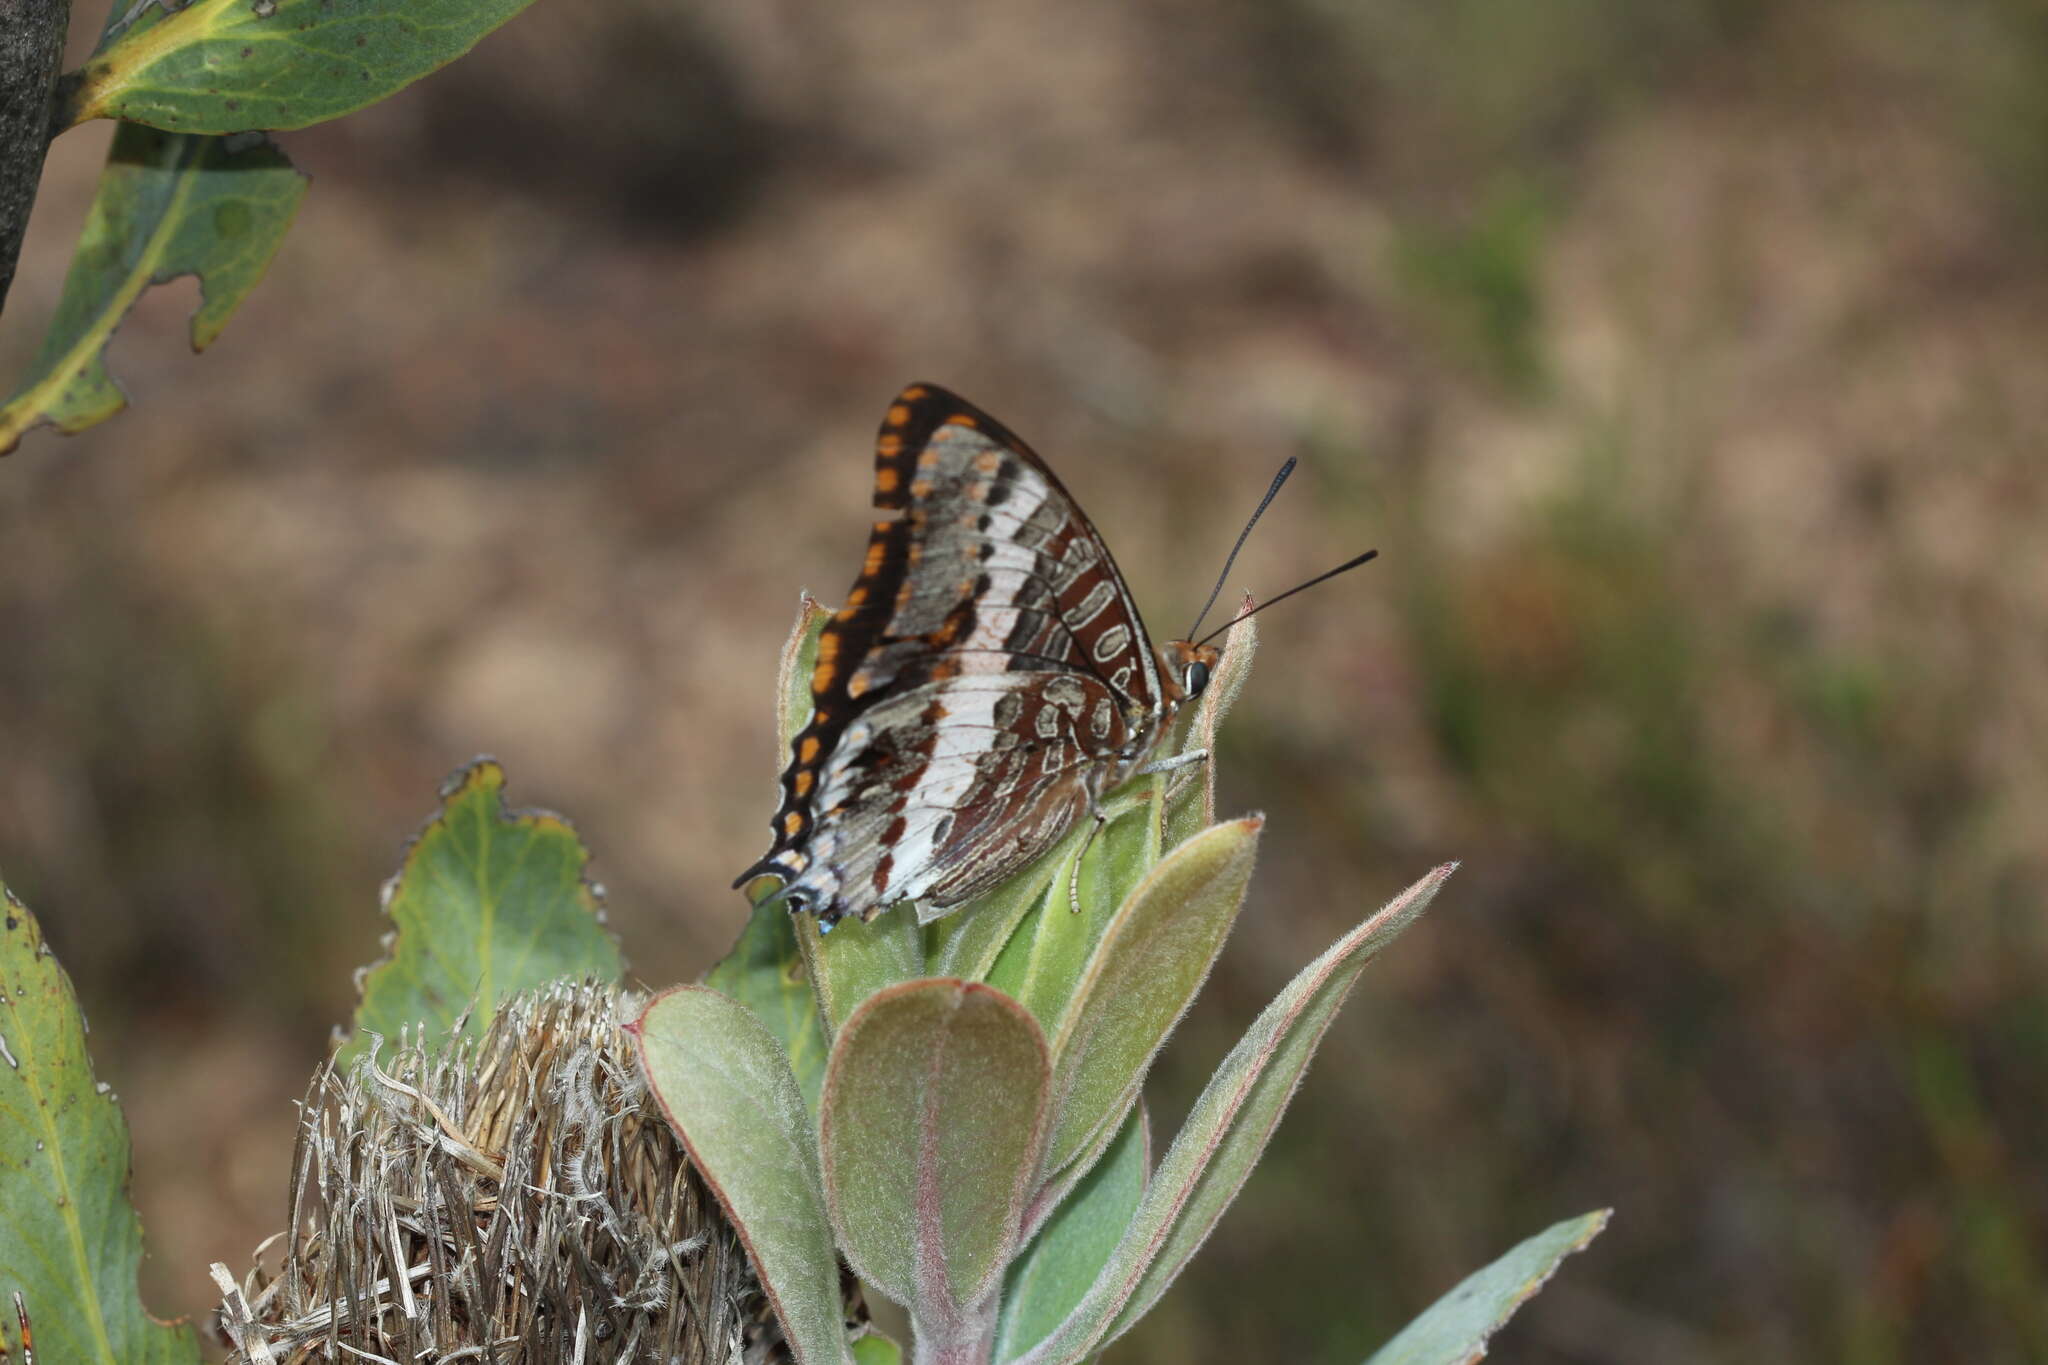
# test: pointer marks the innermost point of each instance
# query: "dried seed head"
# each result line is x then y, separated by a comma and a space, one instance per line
516, 1200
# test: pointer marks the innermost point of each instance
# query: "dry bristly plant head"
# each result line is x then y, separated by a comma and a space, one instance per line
517, 1199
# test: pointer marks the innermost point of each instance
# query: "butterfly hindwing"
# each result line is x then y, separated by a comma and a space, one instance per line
985, 678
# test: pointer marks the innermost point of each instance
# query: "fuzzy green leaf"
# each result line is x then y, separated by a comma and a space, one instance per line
167, 206
722, 1079
1225, 1133
221, 66
876, 1349
1455, 1329
765, 972
1042, 962
1193, 807
69, 1239
488, 903
1152, 959
1069, 1252
931, 1129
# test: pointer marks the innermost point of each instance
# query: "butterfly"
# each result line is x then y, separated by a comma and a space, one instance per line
986, 682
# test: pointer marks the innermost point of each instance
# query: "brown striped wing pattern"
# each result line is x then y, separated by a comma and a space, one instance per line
987, 679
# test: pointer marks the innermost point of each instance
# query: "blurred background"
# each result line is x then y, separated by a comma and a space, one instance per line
1683, 360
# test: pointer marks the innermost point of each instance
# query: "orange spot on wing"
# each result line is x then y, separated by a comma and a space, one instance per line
898, 414
792, 822
920, 488
872, 565
962, 419
989, 461
805, 780
887, 480
914, 393
807, 752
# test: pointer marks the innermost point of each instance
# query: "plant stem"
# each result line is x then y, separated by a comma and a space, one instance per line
31, 54
966, 1338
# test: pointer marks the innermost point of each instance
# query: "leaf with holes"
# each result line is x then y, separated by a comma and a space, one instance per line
168, 205
69, 1239
220, 66
488, 903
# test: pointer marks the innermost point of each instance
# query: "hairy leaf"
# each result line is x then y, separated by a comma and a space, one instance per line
1152, 959
1455, 1329
221, 66
168, 205
1063, 1260
69, 1239
488, 903
722, 1080
931, 1127
765, 972
1193, 807
1225, 1133
1042, 962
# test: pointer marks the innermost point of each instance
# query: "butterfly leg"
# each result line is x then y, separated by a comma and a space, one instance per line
1167, 765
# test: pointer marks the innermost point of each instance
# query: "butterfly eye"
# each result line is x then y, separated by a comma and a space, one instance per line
1196, 678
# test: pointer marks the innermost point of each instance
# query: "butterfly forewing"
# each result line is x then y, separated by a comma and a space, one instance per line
987, 677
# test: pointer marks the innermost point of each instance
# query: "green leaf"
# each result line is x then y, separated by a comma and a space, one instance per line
967, 943
722, 1079
221, 66
931, 1128
1193, 807
765, 972
488, 903
1063, 1260
1225, 1133
858, 959
767, 969
1152, 959
1041, 963
167, 206
69, 1239
876, 1349
1455, 1329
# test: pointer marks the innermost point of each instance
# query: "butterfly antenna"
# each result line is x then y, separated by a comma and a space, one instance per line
1278, 479
1345, 567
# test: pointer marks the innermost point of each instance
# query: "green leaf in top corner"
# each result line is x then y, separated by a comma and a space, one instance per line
488, 903
220, 66
168, 205
765, 972
69, 1239
1455, 1329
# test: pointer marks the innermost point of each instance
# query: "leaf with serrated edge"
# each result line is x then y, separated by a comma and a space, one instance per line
1455, 1329
723, 1082
1152, 959
69, 1239
488, 903
221, 66
1063, 1260
931, 1128
1224, 1134
167, 206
